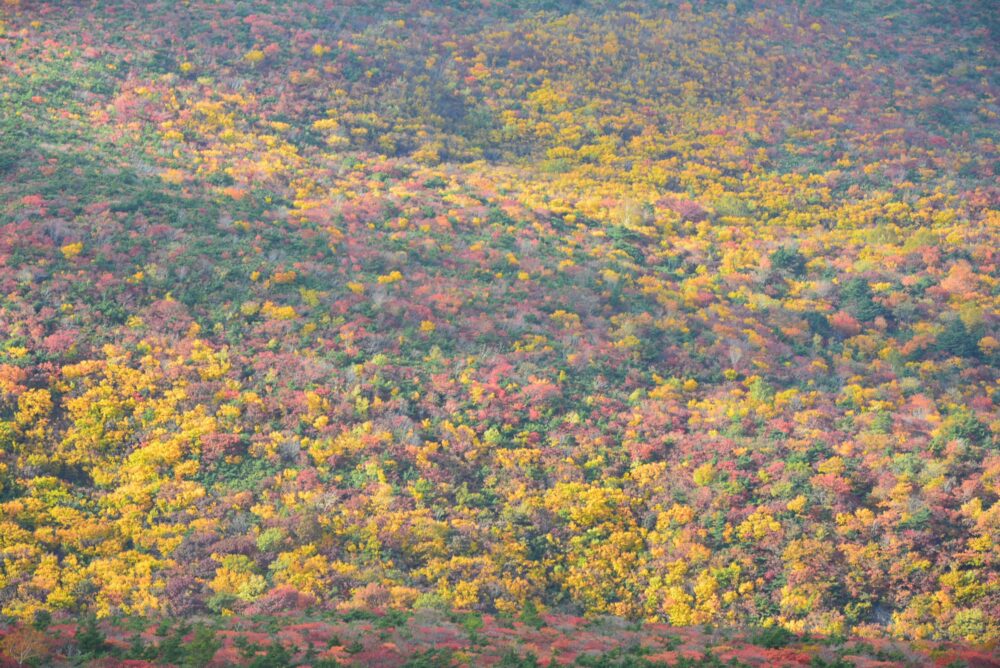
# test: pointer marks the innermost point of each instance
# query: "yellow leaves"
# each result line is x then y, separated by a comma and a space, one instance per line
857, 396
647, 475
17, 352
174, 177
188, 492
71, 250
275, 312
33, 407
759, 524
392, 277
965, 586
705, 589
264, 511
236, 576
321, 450
797, 505
531, 342
479, 71
677, 606
249, 308
302, 568
356, 288
51, 584
628, 342
677, 515
156, 455
326, 124
611, 47
601, 571
254, 56
464, 595
46, 575
736, 260
704, 474
427, 326
429, 153
560, 152
125, 584
983, 544
862, 521
211, 365
545, 98
666, 388
460, 579
973, 626
184, 493
585, 505
800, 599
315, 403
831, 466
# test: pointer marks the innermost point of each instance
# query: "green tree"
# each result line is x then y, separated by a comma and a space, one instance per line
202, 648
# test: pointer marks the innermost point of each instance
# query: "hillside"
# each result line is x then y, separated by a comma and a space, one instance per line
681, 317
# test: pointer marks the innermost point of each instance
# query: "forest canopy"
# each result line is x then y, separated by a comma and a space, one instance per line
683, 313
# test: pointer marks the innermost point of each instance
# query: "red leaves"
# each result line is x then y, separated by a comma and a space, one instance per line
219, 445
60, 342
281, 599
685, 208
540, 392
845, 324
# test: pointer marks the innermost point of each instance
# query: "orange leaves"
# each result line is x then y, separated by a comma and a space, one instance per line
961, 280
282, 277
33, 201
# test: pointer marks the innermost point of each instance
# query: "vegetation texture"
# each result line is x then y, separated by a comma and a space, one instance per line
448, 330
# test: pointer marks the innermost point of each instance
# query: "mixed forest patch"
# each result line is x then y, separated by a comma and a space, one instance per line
617, 333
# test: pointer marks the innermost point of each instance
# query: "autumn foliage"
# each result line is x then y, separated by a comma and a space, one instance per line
683, 313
